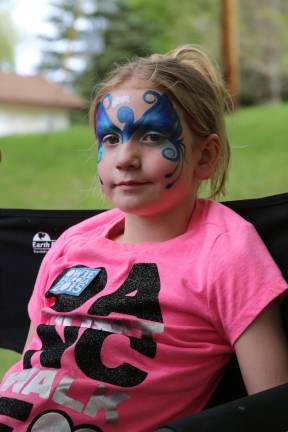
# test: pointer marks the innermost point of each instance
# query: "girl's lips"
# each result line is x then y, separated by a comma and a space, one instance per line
130, 182
129, 185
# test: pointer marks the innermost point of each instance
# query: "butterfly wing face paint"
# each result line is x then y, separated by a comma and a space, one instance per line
163, 115
104, 125
160, 117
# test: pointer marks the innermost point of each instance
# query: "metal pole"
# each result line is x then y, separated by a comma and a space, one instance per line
230, 62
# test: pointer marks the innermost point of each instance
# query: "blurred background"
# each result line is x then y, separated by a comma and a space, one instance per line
54, 52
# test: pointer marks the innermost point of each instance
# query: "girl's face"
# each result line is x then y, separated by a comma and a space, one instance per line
146, 161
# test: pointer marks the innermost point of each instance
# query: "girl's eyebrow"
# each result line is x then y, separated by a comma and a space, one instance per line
106, 126
150, 126
107, 129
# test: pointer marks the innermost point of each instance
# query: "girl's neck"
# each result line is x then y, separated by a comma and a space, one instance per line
156, 228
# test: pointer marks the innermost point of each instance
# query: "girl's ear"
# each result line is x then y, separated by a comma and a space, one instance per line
209, 154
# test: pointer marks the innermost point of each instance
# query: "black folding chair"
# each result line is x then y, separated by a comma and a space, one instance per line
26, 235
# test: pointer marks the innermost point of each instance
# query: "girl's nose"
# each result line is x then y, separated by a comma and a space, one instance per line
128, 155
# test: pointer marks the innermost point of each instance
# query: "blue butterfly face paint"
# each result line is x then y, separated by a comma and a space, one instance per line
158, 124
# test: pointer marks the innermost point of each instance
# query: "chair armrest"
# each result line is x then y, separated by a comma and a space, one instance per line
265, 411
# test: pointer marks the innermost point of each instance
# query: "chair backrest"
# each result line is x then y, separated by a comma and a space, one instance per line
26, 235
265, 411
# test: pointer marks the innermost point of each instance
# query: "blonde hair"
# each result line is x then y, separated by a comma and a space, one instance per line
190, 78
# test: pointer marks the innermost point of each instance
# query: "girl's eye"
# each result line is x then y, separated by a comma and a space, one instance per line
110, 139
153, 138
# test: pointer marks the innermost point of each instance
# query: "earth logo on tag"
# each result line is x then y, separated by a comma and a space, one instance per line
41, 242
75, 280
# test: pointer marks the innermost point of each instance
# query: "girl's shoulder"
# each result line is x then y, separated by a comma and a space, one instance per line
221, 216
223, 227
232, 236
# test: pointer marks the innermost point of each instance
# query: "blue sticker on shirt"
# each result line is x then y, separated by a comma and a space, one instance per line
75, 280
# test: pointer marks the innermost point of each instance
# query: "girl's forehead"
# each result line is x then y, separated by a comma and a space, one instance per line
129, 96
139, 100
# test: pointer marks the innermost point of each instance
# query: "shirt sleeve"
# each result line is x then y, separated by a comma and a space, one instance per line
242, 280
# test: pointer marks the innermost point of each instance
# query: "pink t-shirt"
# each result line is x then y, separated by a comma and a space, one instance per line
130, 336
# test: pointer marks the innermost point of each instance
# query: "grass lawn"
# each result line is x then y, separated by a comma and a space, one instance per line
7, 358
258, 137
50, 171
59, 170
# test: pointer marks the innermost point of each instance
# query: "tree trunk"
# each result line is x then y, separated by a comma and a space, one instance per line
273, 51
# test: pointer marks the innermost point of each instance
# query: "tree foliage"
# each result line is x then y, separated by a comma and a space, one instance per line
263, 38
96, 34
185, 22
91, 35
126, 34
65, 45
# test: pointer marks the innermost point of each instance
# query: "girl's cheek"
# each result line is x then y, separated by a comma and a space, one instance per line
159, 166
166, 158
101, 172
101, 164
101, 153
169, 152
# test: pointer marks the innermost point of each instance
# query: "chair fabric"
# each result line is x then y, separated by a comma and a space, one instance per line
265, 412
25, 237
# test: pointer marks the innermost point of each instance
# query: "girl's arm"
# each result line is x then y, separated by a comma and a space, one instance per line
262, 351
31, 333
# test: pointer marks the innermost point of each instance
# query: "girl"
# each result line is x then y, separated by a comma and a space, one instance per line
136, 311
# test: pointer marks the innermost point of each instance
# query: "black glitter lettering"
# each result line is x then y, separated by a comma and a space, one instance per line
88, 359
15, 408
145, 345
144, 279
27, 359
52, 346
5, 428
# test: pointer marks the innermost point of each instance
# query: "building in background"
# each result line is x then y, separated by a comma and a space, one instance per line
32, 104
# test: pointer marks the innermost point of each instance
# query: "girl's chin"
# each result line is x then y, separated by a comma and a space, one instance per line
134, 205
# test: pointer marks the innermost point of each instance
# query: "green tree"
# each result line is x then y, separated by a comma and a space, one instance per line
61, 48
95, 34
126, 34
263, 50
263, 39
185, 22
